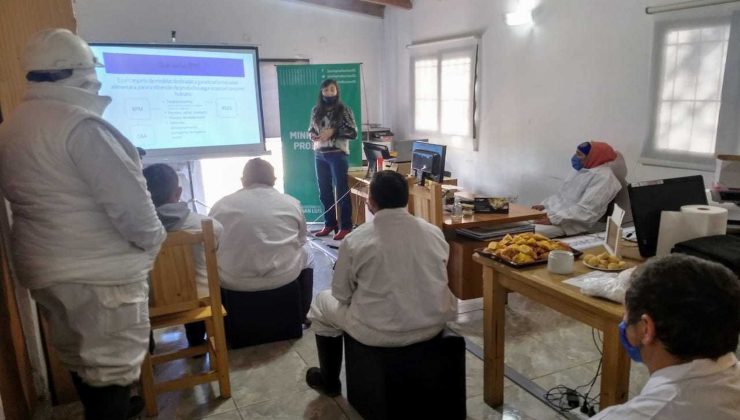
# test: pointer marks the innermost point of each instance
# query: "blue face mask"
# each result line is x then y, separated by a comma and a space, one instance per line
576, 163
632, 351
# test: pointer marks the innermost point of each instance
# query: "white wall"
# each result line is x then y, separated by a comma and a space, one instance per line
281, 29
581, 72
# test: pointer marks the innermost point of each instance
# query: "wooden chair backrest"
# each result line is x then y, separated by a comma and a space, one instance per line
173, 286
426, 202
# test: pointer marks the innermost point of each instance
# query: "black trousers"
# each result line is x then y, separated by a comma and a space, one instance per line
103, 402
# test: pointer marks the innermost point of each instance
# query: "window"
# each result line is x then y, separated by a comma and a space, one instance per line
443, 88
688, 78
426, 102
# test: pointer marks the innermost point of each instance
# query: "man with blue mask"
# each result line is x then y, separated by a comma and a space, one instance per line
682, 320
85, 233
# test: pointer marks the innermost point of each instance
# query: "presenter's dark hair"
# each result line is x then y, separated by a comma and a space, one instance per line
161, 181
389, 190
321, 108
324, 84
694, 303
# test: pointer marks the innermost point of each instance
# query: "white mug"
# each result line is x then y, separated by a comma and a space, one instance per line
560, 262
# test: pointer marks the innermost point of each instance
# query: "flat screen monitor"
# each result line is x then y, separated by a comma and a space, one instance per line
428, 161
403, 148
648, 199
184, 102
373, 152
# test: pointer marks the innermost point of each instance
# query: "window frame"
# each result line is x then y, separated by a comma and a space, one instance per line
439, 50
651, 155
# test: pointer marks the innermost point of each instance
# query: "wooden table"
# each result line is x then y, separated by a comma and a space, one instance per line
465, 276
538, 284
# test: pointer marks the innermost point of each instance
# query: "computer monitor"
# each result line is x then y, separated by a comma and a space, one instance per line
649, 199
428, 161
373, 152
403, 148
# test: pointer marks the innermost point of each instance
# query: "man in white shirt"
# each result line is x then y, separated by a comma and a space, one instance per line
262, 245
682, 320
389, 287
164, 186
85, 234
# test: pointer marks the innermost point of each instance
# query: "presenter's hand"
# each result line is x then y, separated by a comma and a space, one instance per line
543, 221
326, 134
539, 207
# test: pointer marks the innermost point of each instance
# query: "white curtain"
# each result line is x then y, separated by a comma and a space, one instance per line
728, 127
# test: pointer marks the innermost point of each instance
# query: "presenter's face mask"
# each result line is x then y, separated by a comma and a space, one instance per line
329, 95
632, 351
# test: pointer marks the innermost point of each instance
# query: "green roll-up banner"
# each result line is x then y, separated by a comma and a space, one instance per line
298, 90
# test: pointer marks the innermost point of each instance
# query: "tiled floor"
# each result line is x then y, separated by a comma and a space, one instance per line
268, 381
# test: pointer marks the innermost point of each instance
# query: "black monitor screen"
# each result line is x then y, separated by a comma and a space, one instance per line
428, 161
649, 199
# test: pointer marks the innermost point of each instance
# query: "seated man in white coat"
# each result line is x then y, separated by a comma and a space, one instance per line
262, 247
585, 195
389, 287
164, 186
682, 320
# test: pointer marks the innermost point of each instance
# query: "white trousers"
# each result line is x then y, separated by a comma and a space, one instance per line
100, 332
330, 318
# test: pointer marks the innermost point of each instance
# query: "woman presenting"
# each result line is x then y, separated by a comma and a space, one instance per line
332, 125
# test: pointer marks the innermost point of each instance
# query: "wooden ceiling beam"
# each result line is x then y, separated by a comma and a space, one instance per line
404, 4
357, 6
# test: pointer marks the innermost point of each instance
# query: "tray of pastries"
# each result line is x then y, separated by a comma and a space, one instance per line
524, 249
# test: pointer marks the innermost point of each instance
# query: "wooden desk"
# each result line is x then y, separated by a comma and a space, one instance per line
466, 277
517, 213
358, 187
538, 284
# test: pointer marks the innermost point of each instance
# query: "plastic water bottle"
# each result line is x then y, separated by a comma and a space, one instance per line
457, 211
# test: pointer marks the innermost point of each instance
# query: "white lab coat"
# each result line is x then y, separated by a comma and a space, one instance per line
85, 233
582, 199
261, 247
701, 389
390, 283
177, 216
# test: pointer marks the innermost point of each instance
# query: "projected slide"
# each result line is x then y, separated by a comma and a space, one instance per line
179, 100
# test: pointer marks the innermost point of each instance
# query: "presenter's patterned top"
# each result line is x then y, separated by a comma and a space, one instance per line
343, 124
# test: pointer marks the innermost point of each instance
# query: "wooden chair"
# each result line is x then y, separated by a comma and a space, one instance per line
426, 202
173, 300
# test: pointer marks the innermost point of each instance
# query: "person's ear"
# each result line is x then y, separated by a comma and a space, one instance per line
178, 194
646, 329
244, 184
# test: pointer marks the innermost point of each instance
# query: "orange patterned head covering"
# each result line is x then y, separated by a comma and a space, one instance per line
599, 154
